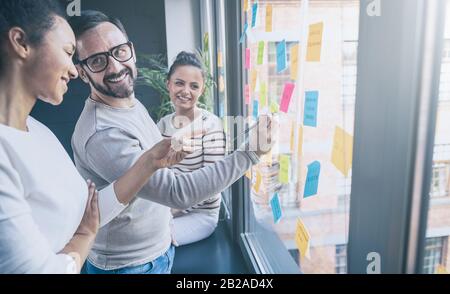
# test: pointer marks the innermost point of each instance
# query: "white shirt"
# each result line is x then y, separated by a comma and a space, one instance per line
42, 201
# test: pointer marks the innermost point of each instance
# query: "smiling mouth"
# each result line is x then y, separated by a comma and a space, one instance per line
118, 79
184, 99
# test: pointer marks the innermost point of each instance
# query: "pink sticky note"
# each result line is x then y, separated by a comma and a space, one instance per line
247, 94
247, 58
287, 95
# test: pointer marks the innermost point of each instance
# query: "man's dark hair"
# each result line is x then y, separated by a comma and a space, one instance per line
35, 17
90, 19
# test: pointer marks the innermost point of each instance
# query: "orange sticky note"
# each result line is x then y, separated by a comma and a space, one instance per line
269, 18
314, 42
342, 154
253, 77
219, 59
302, 238
248, 174
245, 5
294, 62
300, 141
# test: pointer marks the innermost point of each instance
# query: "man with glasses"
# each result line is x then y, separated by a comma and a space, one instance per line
113, 131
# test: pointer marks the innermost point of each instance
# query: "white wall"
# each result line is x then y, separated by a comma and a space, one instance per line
182, 26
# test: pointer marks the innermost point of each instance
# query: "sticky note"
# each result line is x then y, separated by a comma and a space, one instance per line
312, 179
284, 169
300, 141
286, 98
221, 84
258, 181
294, 61
244, 33
269, 18
293, 129
342, 154
260, 52
247, 58
281, 56
310, 112
314, 42
219, 59
255, 108
440, 269
274, 107
247, 94
302, 238
276, 208
254, 14
263, 95
245, 5
253, 77
248, 174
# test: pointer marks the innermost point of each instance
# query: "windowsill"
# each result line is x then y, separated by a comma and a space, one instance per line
215, 255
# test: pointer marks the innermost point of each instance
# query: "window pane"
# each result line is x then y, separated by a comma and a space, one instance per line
437, 257
308, 172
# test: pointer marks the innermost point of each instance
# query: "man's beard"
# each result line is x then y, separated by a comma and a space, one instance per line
120, 93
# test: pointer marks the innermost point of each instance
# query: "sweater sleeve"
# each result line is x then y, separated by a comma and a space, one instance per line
23, 248
112, 152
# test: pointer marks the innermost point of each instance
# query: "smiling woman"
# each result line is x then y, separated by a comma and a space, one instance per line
39, 185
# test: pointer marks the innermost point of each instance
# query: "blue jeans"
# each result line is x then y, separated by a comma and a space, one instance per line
160, 265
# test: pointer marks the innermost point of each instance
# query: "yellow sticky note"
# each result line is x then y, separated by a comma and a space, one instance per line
284, 169
248, 174
441, 270
302, 238
258, 181
294, 62
253, 77
314, 42
219, 59
292, 137
269, 18
342, 154
263, 95
274, 108
300, 141
245, 5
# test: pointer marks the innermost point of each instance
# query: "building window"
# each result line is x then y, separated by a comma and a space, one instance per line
341, 259
439, 180
434, 253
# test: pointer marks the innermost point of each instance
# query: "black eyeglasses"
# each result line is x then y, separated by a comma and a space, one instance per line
100, 61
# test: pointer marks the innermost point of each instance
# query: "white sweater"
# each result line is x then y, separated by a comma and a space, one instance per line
42, 201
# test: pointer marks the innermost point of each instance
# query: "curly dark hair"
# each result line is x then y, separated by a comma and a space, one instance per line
35, 17
186, 58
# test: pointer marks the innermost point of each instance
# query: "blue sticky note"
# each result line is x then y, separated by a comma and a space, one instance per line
254, 14
255, 109
312, 179
244, 33
311, 103
276, 208
281, 56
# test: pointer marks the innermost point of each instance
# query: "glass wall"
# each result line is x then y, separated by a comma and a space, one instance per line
299, 63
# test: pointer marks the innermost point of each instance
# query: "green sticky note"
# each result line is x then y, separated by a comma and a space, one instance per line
284, 169
260, 52
263, 95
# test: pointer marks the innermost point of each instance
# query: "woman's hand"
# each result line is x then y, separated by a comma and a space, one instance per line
91, 219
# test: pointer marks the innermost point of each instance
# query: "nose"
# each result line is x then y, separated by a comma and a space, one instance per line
114, 66
73, 72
